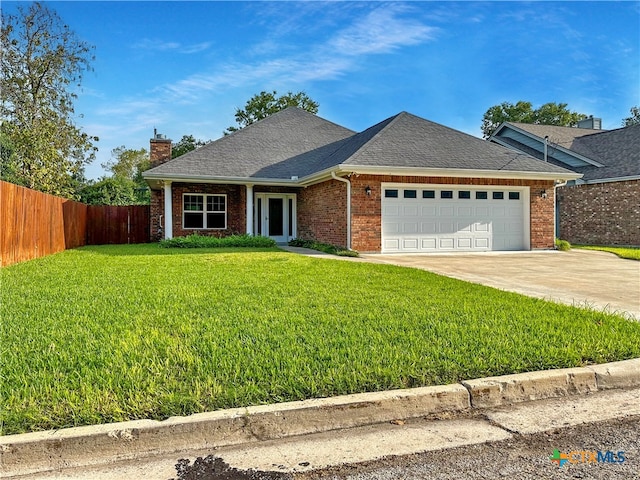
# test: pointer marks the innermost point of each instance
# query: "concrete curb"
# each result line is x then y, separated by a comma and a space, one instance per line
99, 444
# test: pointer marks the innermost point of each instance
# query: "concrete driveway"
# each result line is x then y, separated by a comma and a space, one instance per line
583, 278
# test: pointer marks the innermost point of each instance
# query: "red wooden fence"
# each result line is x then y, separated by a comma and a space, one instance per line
34, 224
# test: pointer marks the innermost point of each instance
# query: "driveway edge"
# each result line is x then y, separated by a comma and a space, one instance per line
91, 445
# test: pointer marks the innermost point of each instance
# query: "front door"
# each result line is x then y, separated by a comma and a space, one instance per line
275, 216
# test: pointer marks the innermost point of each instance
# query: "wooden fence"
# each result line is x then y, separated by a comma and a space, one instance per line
109, 224
34, 224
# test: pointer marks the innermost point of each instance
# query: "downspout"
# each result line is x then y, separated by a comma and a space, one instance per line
556, 209
335, 177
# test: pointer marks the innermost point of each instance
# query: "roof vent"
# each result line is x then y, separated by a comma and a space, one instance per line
591, 123
294, 177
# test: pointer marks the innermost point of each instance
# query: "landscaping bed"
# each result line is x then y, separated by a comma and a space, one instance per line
113, 333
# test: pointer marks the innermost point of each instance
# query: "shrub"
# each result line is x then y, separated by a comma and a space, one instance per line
232, 241
562, 245
322, 247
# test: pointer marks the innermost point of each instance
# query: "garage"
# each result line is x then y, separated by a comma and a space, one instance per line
454, 218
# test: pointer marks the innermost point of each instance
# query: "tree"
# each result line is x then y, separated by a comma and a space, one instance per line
634, 119
264, 104
112, 191
42, 62
523, 112
128, 163
126, 185
186, 144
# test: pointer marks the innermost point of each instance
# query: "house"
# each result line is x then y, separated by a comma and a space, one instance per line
403, 185
603, 206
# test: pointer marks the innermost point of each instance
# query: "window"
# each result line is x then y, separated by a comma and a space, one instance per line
481, 195
410, 194
514, 195
204, 211
391, 193
428, 194
498, 195
446, 194
464, 194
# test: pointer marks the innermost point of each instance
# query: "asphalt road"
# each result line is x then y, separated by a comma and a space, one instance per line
520, 457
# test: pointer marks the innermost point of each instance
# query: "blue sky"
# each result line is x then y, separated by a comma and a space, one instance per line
183, 67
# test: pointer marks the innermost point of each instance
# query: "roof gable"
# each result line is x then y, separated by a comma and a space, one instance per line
259, 148
406, 140
597, 154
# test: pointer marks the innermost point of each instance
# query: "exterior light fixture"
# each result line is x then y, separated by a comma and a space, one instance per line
543, 194
367, 190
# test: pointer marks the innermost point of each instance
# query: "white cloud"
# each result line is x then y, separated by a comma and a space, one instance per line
164, 46
382, 31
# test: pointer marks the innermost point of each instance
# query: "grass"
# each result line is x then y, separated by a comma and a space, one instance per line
630, 253
112, 333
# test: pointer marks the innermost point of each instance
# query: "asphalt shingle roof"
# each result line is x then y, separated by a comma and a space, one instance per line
618, 150
294, 142
410, 141
265, 149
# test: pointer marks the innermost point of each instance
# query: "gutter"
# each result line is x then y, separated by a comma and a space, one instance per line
335, 177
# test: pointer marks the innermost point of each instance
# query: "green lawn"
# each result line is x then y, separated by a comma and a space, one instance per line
110, 333
630, 253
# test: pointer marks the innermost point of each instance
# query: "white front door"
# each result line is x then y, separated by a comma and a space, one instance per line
275, 216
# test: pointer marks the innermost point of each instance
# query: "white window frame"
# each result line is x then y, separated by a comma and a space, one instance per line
204, 212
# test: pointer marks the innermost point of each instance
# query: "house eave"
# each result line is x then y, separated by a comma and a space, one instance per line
612, 180
458, 173
155, 180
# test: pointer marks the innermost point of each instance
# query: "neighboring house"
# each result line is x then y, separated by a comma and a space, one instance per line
403, 185
602, 207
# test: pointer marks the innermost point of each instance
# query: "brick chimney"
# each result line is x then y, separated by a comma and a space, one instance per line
159, 149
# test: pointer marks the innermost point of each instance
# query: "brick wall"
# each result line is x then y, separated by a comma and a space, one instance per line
366, 227
601, 213
322, 213
322, 208
236, 209
157, 215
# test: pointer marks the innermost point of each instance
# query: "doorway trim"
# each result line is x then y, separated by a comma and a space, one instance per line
288, 213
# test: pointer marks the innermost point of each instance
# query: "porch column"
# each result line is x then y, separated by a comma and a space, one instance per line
168, 211
249, 209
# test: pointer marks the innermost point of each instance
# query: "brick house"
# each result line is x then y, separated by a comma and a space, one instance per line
403, 185
603, 206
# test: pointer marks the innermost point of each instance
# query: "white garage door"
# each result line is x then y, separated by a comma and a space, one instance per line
445, 218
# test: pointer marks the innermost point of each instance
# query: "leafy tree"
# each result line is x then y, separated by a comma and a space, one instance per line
126, 185
113, 191
42, 62
523, 112
127, 163
264, 104
186, 144
634, 119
